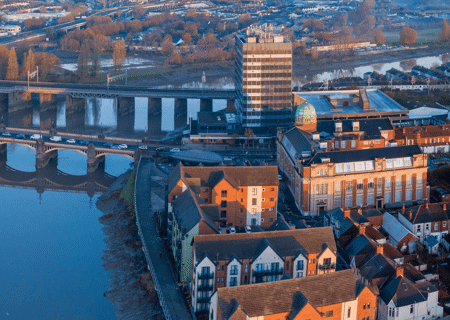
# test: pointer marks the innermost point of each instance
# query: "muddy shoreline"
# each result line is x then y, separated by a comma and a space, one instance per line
131, 288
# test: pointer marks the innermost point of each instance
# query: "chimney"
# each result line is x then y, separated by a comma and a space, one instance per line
338, 126
362, 229
410, 215
444, 206
347, 213
426, 204
360, 211
399, 271
403, 209
380, 249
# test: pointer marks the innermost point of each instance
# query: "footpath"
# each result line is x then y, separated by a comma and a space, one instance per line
170, 296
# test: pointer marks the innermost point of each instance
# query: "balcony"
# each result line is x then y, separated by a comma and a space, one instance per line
268, 272
327, 266
205, 287
203, 300
206, 275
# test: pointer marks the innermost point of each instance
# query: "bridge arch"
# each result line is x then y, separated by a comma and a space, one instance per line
49, 149
99, 154
30, 146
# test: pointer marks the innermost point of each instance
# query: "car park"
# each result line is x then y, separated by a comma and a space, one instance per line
56, 139
70, 141
6, 134
175, 150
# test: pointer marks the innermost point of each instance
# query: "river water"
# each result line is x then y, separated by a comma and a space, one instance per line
52, 245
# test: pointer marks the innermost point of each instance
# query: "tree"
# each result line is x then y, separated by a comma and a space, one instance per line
29, 63
445, 31
191, 14
187, 38
66, 18
167, 46
119, 54
83, 60
12, 71
377, 36
175, 58
408, 36
95, 56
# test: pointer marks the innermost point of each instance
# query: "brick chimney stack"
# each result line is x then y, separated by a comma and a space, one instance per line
362, 229
380, 249
426, 204
444, 206
347, 213
403, 209
399, 271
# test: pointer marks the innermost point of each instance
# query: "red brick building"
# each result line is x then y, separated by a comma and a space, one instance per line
430, 138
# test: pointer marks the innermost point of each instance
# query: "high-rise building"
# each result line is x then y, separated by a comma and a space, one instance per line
263, 79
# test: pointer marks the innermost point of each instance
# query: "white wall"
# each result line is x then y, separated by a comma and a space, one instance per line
305, 265
353, 305
250, 206
236, 263
198, 269
267, 257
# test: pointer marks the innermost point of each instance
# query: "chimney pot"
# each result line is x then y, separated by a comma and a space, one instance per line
380, 249
399, 271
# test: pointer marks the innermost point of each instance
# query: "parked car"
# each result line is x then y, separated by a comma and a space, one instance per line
84, 143
143, 147
280, 177
248, 229
232, 230
175, 150
108, 145
70, 141
56, 139
36, 136
123, 146
160, 149
6, 134
20, 136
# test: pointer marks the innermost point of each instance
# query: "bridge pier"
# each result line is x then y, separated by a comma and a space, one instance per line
42, 157
18, 100
154, 106
93, 162
47, 101
206, 105
126, 105
180, 116
74, 104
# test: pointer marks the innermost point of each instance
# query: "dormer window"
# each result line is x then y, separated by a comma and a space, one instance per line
224, 193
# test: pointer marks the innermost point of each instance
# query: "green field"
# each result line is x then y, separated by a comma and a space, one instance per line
423, 36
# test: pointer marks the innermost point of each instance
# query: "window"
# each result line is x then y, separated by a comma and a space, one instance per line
327, 261
221, 279
387, 197
364, 306
223, 214
218, 279
398, 195
263, 200
398, 181
419, 179
353, 143
368, 305
389, 164
218, 268
242, 199
342, 144
263, 209
246, 268
254, 191
408, 195
254, 201
287, 265
348, 201
444, 224
387, 183
418, 228
233, 281
370, 199
233, 270
272, 189
224, 193
360, 185
223, 204
359, 200
275, 266
271, 209
337, 202
321, 188
349, 186
419, 193
329, 313
299, 274
349, 312
349, 167
253, 211
411, 309
259, 267
300, 265
409, 180
337, 187
427, 226
263, 189
270, 219
205, 270
223, 267
371, 184
336, 144
205, 189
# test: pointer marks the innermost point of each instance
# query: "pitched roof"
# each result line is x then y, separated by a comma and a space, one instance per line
432, 241
294, 141
394, 228
236, 176
423, 213
371, 127
403, 292
292, 295
248, 245
365, 155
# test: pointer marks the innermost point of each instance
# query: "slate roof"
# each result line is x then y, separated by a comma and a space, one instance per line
294, 141
279, 224
250, 245
394, 228
431, 241
290, 296
236, 176
371, 127
402, 292
189, 211
423, 213
365, 155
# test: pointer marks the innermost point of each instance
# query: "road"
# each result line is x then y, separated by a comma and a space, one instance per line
30, 35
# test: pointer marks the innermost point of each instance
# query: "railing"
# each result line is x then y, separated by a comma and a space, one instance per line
203, 299
206, 275
326, 266
205, 287
267, 272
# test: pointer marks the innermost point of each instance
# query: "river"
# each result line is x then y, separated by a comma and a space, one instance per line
52, 245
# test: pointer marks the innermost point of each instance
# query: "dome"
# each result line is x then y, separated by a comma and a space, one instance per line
305, 114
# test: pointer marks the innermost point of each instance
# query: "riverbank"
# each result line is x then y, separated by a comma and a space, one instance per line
219, 74
131, 288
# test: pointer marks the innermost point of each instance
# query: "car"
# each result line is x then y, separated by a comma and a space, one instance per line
160, 149
143, 147
248, 229
84, 143
36, 136
123, 146
6, 134
280, 177
108, 145
20, 136
232, 230
56, 139
70, 141
175, 150
115, 146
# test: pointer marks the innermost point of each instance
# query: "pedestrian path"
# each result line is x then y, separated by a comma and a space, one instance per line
170, 296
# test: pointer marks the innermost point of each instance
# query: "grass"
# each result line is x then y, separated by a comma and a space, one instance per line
127, 193
131, 73
423, 36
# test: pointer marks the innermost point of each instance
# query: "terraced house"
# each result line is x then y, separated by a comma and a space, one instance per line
338, 295
239, 259
246, 196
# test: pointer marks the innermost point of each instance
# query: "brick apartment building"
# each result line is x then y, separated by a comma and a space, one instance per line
246, 196
321, 179
430, 138
239, 259
338, 295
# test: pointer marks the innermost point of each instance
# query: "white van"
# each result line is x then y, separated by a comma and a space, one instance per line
36, 136
56, 139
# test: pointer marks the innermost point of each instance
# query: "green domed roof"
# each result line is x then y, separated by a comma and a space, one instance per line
305, 113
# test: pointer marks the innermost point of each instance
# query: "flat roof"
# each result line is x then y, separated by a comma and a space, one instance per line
381, 103
197, 156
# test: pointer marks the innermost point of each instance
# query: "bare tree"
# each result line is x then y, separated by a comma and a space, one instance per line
119, 54
12, 71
